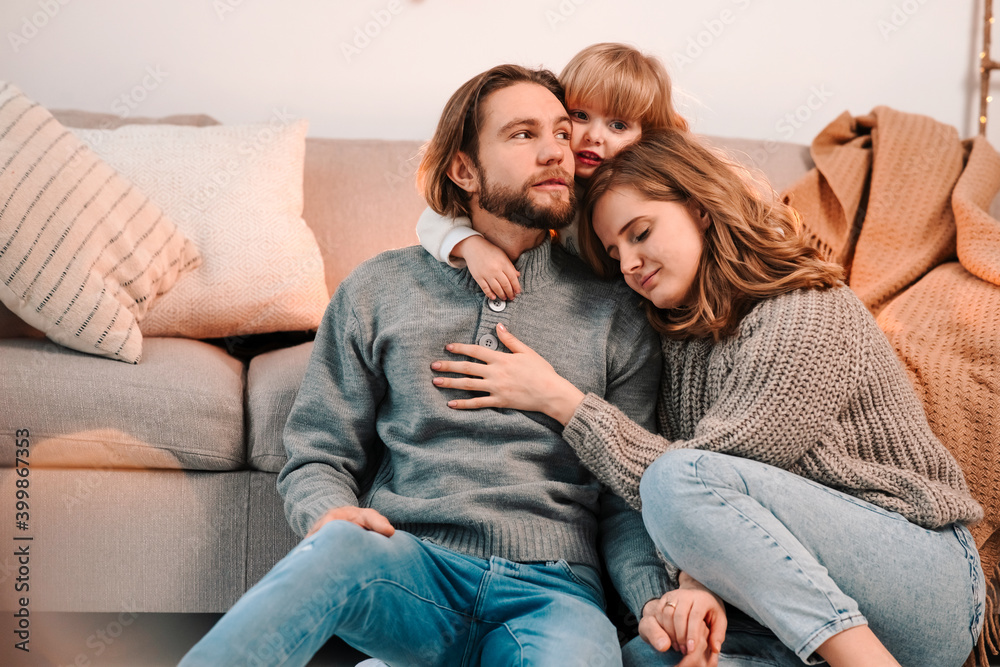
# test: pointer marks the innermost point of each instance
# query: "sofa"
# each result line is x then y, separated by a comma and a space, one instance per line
137, 527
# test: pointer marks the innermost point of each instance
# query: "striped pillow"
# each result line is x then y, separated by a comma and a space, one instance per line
83, 253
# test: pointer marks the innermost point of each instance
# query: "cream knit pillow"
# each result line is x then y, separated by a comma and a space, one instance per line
236, 190
83, 253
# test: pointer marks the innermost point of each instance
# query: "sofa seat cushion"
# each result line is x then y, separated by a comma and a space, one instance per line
273, 381
180, 408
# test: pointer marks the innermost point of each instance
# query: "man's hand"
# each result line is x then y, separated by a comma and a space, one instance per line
367, 518
689, 620
490, 267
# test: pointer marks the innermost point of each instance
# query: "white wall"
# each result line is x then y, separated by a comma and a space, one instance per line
741, 67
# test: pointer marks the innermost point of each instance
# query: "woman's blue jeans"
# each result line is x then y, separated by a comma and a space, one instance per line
808, 562
411, 602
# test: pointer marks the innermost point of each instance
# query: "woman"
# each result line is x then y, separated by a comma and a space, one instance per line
795, 475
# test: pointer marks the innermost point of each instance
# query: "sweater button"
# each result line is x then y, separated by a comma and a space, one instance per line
497, 305
489, 341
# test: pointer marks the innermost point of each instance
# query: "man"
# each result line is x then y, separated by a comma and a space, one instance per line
444, 537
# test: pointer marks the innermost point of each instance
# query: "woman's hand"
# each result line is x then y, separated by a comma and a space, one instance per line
689, 620
522, 380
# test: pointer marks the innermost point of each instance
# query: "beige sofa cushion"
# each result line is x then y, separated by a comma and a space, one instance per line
236, 190
12, 326
273, 381
182, 407
84, 254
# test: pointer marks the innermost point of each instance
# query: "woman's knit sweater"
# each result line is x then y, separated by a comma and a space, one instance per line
809, 384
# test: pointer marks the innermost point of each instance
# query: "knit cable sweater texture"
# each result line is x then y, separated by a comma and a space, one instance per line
368, 428
809, 384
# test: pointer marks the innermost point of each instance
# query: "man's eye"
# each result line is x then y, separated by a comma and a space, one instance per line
523, 134
563, 134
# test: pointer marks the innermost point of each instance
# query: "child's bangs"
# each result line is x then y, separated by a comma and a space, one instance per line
616, 94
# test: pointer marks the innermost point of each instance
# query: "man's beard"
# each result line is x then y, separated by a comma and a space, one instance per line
516, 205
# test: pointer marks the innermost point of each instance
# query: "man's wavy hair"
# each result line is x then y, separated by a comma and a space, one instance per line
753, 248
458, 130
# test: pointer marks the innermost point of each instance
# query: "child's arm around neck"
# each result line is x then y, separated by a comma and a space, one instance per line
454, 242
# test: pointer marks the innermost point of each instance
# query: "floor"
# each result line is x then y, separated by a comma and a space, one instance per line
135, 640
129, 640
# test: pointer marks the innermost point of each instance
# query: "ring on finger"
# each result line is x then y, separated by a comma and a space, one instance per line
671, 604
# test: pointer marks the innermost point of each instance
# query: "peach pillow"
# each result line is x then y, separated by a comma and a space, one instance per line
236, 191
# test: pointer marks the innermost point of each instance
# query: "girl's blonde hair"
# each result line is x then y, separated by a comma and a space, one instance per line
752, 248
622, 82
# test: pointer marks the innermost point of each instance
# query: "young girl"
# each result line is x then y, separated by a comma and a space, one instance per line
613, 93
795, 475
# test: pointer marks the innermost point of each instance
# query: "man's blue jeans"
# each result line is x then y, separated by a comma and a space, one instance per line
411, 602
808, 562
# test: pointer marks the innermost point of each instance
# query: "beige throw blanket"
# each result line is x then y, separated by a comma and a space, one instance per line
902, 203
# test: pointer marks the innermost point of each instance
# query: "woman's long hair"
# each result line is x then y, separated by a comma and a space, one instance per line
752, 246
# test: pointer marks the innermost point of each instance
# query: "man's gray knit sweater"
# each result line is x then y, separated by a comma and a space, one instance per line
369, 428
809, 384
